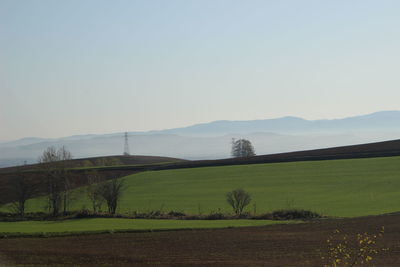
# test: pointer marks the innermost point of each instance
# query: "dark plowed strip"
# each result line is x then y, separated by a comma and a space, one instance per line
277, 245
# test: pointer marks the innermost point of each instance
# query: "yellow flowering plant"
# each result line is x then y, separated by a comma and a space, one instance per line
345, 251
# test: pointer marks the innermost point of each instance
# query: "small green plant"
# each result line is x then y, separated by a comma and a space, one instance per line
199, 210
345, 251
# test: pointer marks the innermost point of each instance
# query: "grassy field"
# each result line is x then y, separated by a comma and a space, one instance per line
346, 188
113, 224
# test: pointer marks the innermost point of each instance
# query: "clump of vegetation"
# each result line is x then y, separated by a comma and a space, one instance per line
84, 214
238, 199
176, 214
294, 214
215, 216
12, 217
289, 214
347, 252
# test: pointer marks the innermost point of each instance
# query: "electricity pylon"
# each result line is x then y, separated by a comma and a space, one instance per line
126, 146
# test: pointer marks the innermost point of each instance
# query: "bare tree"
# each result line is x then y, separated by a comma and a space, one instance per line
57, 177
21, 189
242, 148
238, 199
111, 192
94, 190
65, 155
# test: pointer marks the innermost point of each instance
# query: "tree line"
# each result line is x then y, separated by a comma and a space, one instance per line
57, 185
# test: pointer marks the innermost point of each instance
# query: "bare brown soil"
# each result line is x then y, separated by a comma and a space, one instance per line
276, 245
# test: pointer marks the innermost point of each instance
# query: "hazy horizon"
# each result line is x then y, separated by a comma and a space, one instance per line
97, 67
184, 126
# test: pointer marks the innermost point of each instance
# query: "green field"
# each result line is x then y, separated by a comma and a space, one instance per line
346, 188
119, 225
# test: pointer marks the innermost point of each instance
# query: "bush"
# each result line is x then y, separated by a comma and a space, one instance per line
155, 213
265, 216
84, 214
294, 214
238, 199
244, 215
215, 216
344, 250
176, 214
290, 214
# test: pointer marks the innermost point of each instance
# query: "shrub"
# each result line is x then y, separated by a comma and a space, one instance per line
155, 213
215, 216
291, 214
294, 214
238, 199
345, 250
176, 214
84, 214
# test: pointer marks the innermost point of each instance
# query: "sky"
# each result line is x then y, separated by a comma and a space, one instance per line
98, 66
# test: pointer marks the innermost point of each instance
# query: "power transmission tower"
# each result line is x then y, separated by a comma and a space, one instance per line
126, 146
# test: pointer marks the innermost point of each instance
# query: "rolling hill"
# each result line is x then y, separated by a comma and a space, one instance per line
345, 188
341, 181
79, 169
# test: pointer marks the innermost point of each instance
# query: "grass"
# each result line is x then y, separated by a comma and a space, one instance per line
97, 225
345, 188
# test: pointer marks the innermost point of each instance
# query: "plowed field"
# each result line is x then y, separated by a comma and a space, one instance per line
275, 245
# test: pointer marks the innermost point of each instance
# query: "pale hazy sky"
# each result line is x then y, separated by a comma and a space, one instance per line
82, 66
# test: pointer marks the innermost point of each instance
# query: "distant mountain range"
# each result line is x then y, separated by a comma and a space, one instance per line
384, 120
212, 140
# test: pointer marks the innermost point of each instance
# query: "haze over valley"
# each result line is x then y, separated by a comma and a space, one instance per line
212, 140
